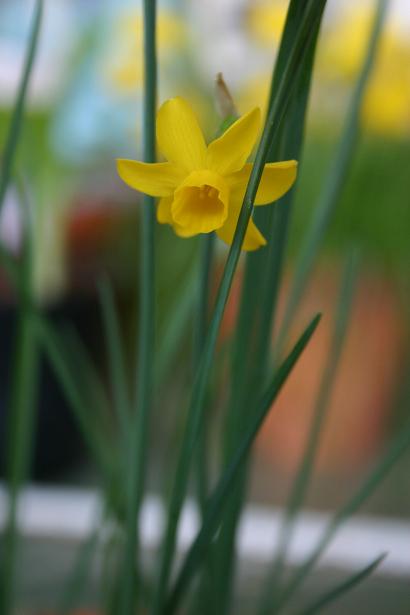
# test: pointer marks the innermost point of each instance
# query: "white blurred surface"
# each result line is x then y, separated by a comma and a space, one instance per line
48, 513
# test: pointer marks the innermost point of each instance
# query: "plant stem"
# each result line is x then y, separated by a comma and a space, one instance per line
137, 444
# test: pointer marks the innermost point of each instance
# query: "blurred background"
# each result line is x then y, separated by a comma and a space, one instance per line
84, 111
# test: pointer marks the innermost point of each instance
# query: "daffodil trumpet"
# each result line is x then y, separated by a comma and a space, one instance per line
200, 187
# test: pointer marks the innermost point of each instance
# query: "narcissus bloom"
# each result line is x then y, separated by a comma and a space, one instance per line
201, 188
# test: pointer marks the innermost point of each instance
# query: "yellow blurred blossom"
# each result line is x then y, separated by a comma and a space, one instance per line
265, 20
386, 106
342, 48
254, 93
126, 68
201, 188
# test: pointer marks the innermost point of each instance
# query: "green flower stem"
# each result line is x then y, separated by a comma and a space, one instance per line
303, 475
138, 440
18, 109
273, 123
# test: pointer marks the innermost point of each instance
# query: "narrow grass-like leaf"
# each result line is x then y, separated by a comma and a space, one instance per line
261, 285
115, 353
304, 473
22, 401
20, 409
89, 381
11, 267
273, 123
335, 180
20, 429
170, 337
219, 498
79, 575
400, 444
87, 423
137, 445
207, 247
18, 109
342, 588
200, 329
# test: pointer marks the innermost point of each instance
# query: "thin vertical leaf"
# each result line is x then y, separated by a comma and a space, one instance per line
79, 576
398, 447
273, 123
177, 317
20, 410
342, 588
262, 279
304, 473
115, 353
200, 329
20, 426
88, 424
137, 444
18, 109
336, 178
219, 498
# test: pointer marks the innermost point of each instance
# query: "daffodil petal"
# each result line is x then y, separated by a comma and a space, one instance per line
155, 179
277, 179
253, 237
164, 215
229, 152
183, 232
179, 136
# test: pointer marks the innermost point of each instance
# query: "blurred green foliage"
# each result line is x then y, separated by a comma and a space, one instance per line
374, 207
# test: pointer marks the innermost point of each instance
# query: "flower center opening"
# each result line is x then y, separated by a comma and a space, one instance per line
200, 208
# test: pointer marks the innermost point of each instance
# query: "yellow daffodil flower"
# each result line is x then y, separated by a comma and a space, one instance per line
201, 187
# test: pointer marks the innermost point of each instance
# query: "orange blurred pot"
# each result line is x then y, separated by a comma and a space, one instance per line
363, 395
